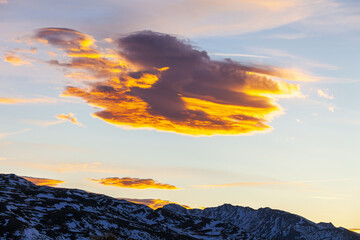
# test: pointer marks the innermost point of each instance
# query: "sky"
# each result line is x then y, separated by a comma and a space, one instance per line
201, 103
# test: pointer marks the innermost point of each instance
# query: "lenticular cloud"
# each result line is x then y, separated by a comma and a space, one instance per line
158, 81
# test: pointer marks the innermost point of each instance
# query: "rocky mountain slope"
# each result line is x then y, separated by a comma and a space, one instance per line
28, 211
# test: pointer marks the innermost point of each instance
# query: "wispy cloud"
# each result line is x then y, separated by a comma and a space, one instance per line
44, 181
250, 184
284, 56
238, 55
3, 1
288, 36
137, 183
331, 109
41, 123
321, 93
5, 100
153, 203
4, 135
69, 117
71, 167
212, 17
154, 80
64, 167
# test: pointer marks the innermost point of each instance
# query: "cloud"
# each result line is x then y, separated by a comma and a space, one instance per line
3, 158
238, 55
249, 184
157, 81
68, 167
288, 36
331, 109
4, 135
3, 1
4, 100
153, 203
357, 230
19, 50
44, 181
15, 60
137, 183
69, 117
71, 167
324, 95
41, 123
210, 17
285, 57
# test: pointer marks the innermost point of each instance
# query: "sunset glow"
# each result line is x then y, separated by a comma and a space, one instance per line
251, 103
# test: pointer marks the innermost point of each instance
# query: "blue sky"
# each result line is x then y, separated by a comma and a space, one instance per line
307, 164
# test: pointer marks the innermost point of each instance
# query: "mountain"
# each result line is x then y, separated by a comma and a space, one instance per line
28, 211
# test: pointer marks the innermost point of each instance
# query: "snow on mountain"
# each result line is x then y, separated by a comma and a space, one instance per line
30, 212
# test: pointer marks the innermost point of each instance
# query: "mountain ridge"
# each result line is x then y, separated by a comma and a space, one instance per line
28, 211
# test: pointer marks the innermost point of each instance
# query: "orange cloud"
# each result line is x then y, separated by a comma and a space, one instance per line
4, 100
44, 181
153, 203
53, 54
69, 117
156, 81
357, 230
15, 60
137, 183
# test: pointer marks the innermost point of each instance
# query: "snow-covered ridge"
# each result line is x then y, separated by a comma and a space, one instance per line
28, 211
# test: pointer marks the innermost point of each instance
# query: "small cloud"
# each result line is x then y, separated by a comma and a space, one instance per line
69, 117
331, 109
290, 139
3, 158
53, 54
15, 60
137, 183
324, 95
3, 1
44, 181
109, 40
298, 120
315, 114
153, 203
